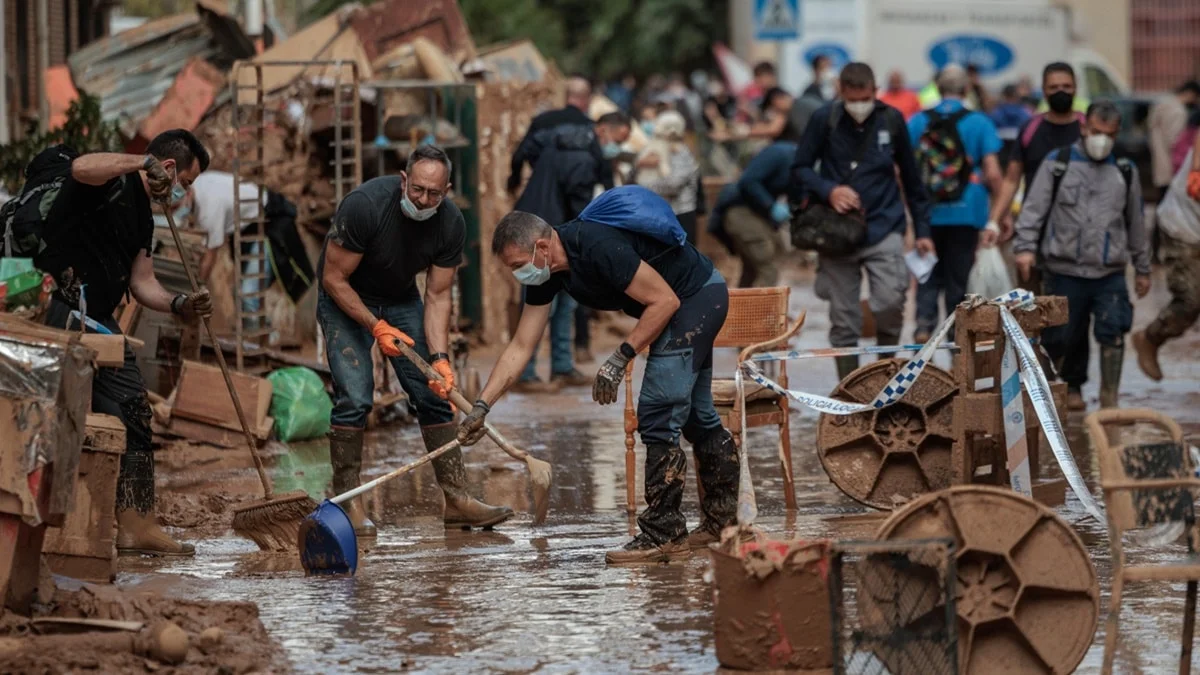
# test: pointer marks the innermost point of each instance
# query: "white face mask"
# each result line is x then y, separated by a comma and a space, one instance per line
1098, 146
860, 110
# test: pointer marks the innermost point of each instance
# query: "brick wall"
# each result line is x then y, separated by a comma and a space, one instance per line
1166, 43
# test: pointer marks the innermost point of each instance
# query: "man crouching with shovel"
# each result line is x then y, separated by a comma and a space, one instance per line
384, 233
680, 302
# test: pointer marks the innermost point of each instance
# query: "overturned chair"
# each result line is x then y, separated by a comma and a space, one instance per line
1147, 485
757, 322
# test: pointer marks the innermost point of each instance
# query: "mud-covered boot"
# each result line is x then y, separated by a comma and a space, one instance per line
845, 366
664, 531
717, 465
345, 456
138, 532
462, 510
1111, 359
1147, 355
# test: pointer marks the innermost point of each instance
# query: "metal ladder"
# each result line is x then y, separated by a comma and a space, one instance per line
252, 329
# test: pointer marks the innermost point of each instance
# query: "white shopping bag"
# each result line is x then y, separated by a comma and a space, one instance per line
989, 277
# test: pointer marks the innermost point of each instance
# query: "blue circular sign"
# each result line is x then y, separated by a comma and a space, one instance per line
989, 55
836, 52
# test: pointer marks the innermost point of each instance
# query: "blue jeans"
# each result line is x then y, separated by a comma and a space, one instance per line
562, 317
676, 392
251, 305
1103, 303
348, 350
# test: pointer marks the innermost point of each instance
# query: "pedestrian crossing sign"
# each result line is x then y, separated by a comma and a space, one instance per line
776, 19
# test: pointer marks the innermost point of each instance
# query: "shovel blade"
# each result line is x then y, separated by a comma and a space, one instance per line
327, 542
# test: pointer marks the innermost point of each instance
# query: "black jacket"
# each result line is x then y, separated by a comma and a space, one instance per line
563, 178
541, 132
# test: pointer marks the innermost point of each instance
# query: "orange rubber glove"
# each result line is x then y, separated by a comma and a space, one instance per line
386, 335
1194, 185
442, 367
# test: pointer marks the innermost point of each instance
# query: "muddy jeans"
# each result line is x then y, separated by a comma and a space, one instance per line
757, 243
1104, 300
1183, 280
839, 280
676, 398
121, 392
348, 350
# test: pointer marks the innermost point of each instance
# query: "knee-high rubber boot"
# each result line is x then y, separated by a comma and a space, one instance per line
138, 532
663, 536
345, 455
845, 365
1111, 359
717, 465
462, 510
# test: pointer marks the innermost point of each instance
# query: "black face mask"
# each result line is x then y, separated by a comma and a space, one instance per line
1060, 101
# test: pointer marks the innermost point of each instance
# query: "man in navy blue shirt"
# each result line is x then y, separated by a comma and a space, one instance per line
956, 222
748, 214
859, 144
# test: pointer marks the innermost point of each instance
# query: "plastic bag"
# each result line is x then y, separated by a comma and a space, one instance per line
989, 277
299, 404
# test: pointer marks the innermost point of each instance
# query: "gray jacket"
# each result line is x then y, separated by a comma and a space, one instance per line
1095, 227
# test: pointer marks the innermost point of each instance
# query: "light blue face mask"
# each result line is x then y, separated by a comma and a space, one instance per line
410, 209
648, 127
530, 274
178, 192
611, 149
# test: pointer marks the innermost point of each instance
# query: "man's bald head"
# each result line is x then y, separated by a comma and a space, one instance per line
579, 92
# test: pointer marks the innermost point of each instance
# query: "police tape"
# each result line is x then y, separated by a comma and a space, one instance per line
747, 506
1030, 374
826, 352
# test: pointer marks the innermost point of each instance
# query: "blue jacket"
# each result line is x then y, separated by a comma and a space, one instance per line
764, 180
875, 180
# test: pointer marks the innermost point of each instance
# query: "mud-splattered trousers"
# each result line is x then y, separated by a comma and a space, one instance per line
121, 392
348, 350
1103, 303
676, 399
1183, 280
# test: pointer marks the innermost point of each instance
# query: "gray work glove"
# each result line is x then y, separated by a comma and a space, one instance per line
608, 380
472, 429
157, 179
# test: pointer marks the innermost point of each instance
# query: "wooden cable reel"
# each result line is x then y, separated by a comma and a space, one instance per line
886, 457
1027, 596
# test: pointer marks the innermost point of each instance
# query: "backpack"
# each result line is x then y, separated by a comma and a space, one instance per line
942, 159
24, 216
1032, 127
1058, 169
636, 209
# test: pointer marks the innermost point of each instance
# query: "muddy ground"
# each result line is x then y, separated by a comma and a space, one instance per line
525, 599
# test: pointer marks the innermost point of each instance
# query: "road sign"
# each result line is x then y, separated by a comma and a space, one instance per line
776, 19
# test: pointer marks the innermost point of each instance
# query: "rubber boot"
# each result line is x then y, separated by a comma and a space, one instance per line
462, 510
138, 532
1111, 359
345, 455
886, 340
717, 465
664, 531
1147, 354
845, 366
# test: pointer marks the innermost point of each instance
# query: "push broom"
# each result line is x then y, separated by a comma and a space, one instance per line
273, 522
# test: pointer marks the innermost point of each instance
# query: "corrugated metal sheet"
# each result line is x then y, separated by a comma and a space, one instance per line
131, 72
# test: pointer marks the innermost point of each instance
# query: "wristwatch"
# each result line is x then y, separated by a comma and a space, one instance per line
148, 162
177, 302
440, 356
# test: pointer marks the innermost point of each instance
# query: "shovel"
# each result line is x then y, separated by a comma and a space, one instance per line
539, 470
327, 541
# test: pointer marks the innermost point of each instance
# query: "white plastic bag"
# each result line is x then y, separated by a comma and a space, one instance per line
989, 277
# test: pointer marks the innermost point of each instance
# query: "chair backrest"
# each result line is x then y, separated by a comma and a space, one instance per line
1169, 458
755, 315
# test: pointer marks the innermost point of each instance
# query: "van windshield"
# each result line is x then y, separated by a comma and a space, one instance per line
1099, 84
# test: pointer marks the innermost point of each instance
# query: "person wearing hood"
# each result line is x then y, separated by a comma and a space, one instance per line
384, 233
1082, 223
848, 159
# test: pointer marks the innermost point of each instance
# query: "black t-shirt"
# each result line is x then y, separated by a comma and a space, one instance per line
93, 234
395, 248
602, 261
1047, 138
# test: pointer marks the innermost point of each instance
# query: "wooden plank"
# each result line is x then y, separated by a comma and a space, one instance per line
129, 316
202, 396
977, 413
104, 433
213, 435
110, 349
985, 319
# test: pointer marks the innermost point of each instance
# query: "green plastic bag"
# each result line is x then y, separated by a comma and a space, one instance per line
299, 404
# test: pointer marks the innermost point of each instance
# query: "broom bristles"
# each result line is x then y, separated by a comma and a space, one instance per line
274, 525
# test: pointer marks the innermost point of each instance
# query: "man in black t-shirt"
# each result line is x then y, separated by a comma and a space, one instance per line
98, 236
680, 302
384, 233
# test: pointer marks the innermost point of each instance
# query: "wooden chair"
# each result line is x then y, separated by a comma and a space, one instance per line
757, 321
1145, 485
